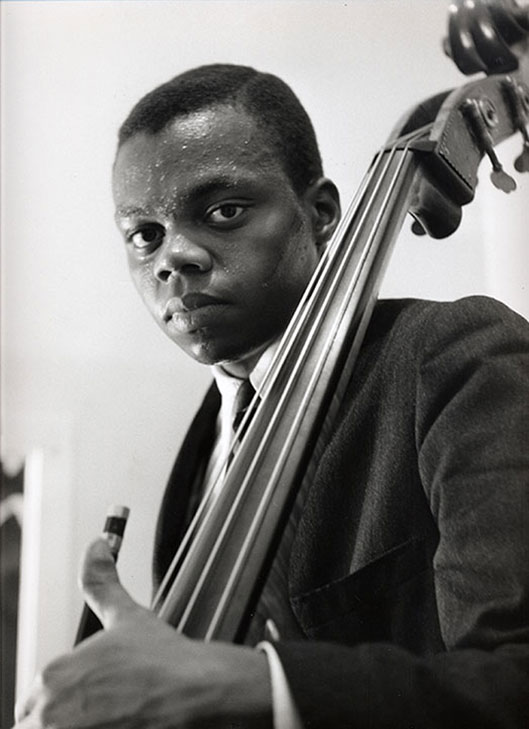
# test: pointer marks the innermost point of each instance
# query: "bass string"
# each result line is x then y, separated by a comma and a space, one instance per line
266, 498
294, 330
235, 506
269, 492
209, 500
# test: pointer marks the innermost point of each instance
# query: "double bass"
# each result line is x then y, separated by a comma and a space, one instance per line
428, 168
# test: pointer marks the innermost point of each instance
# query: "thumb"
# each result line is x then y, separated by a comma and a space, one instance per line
102, 589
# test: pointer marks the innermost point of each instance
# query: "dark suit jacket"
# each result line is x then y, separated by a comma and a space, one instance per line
409, 574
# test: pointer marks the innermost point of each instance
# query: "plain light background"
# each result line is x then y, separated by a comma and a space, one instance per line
88, 380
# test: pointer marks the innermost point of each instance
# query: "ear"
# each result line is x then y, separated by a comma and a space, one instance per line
323, 199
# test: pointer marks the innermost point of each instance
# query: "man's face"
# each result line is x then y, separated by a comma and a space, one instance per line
219, 245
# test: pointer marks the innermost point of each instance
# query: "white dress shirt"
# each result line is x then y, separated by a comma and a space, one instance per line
285, 713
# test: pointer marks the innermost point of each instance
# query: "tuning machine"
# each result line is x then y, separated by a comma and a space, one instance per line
482, 117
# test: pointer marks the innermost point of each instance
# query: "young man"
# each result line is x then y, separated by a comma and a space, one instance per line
406, 586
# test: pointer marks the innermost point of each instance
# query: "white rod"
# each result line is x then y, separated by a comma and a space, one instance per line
30, 565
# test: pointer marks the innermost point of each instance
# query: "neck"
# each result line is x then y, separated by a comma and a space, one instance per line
243, 367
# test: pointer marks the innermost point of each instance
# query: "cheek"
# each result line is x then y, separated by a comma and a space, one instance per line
289, 255
144, 282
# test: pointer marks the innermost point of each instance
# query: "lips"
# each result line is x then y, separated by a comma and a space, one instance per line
189, 303
192, 311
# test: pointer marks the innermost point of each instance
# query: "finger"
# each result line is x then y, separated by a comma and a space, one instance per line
28, 699
29, 722
101, 586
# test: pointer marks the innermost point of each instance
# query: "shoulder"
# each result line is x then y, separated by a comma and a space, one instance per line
478, 321
413, 344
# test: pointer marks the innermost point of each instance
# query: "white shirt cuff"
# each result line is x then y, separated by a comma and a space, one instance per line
284, 709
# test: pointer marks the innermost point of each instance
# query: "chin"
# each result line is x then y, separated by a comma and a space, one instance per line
207, 352
226, 354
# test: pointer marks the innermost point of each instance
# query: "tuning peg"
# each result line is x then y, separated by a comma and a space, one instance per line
521, 163
502, 180
417, 228
519, 100
481, 114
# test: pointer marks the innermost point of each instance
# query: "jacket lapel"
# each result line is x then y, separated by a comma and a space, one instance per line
178, 498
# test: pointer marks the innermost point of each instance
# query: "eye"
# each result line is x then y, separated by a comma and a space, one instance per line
147, 238
225, 214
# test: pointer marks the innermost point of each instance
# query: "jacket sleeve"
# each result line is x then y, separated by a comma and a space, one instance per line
472, 423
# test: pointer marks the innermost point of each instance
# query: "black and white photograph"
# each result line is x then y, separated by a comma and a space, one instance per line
264, 364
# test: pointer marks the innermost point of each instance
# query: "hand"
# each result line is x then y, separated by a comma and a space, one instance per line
139, 672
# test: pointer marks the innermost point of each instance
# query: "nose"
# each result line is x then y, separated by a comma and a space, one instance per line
178, 254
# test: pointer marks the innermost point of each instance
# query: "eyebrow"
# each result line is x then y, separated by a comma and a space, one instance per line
201, 189
216, 184
125, 212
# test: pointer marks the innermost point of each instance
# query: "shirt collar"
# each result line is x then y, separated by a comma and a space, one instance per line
228, 384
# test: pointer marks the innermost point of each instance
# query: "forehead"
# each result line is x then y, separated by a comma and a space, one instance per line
222, 143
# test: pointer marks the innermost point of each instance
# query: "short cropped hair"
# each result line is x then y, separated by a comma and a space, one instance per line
266, 98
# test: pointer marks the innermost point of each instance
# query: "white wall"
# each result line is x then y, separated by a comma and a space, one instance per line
79, 351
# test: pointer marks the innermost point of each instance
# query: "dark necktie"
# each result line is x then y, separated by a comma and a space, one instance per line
242, 401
